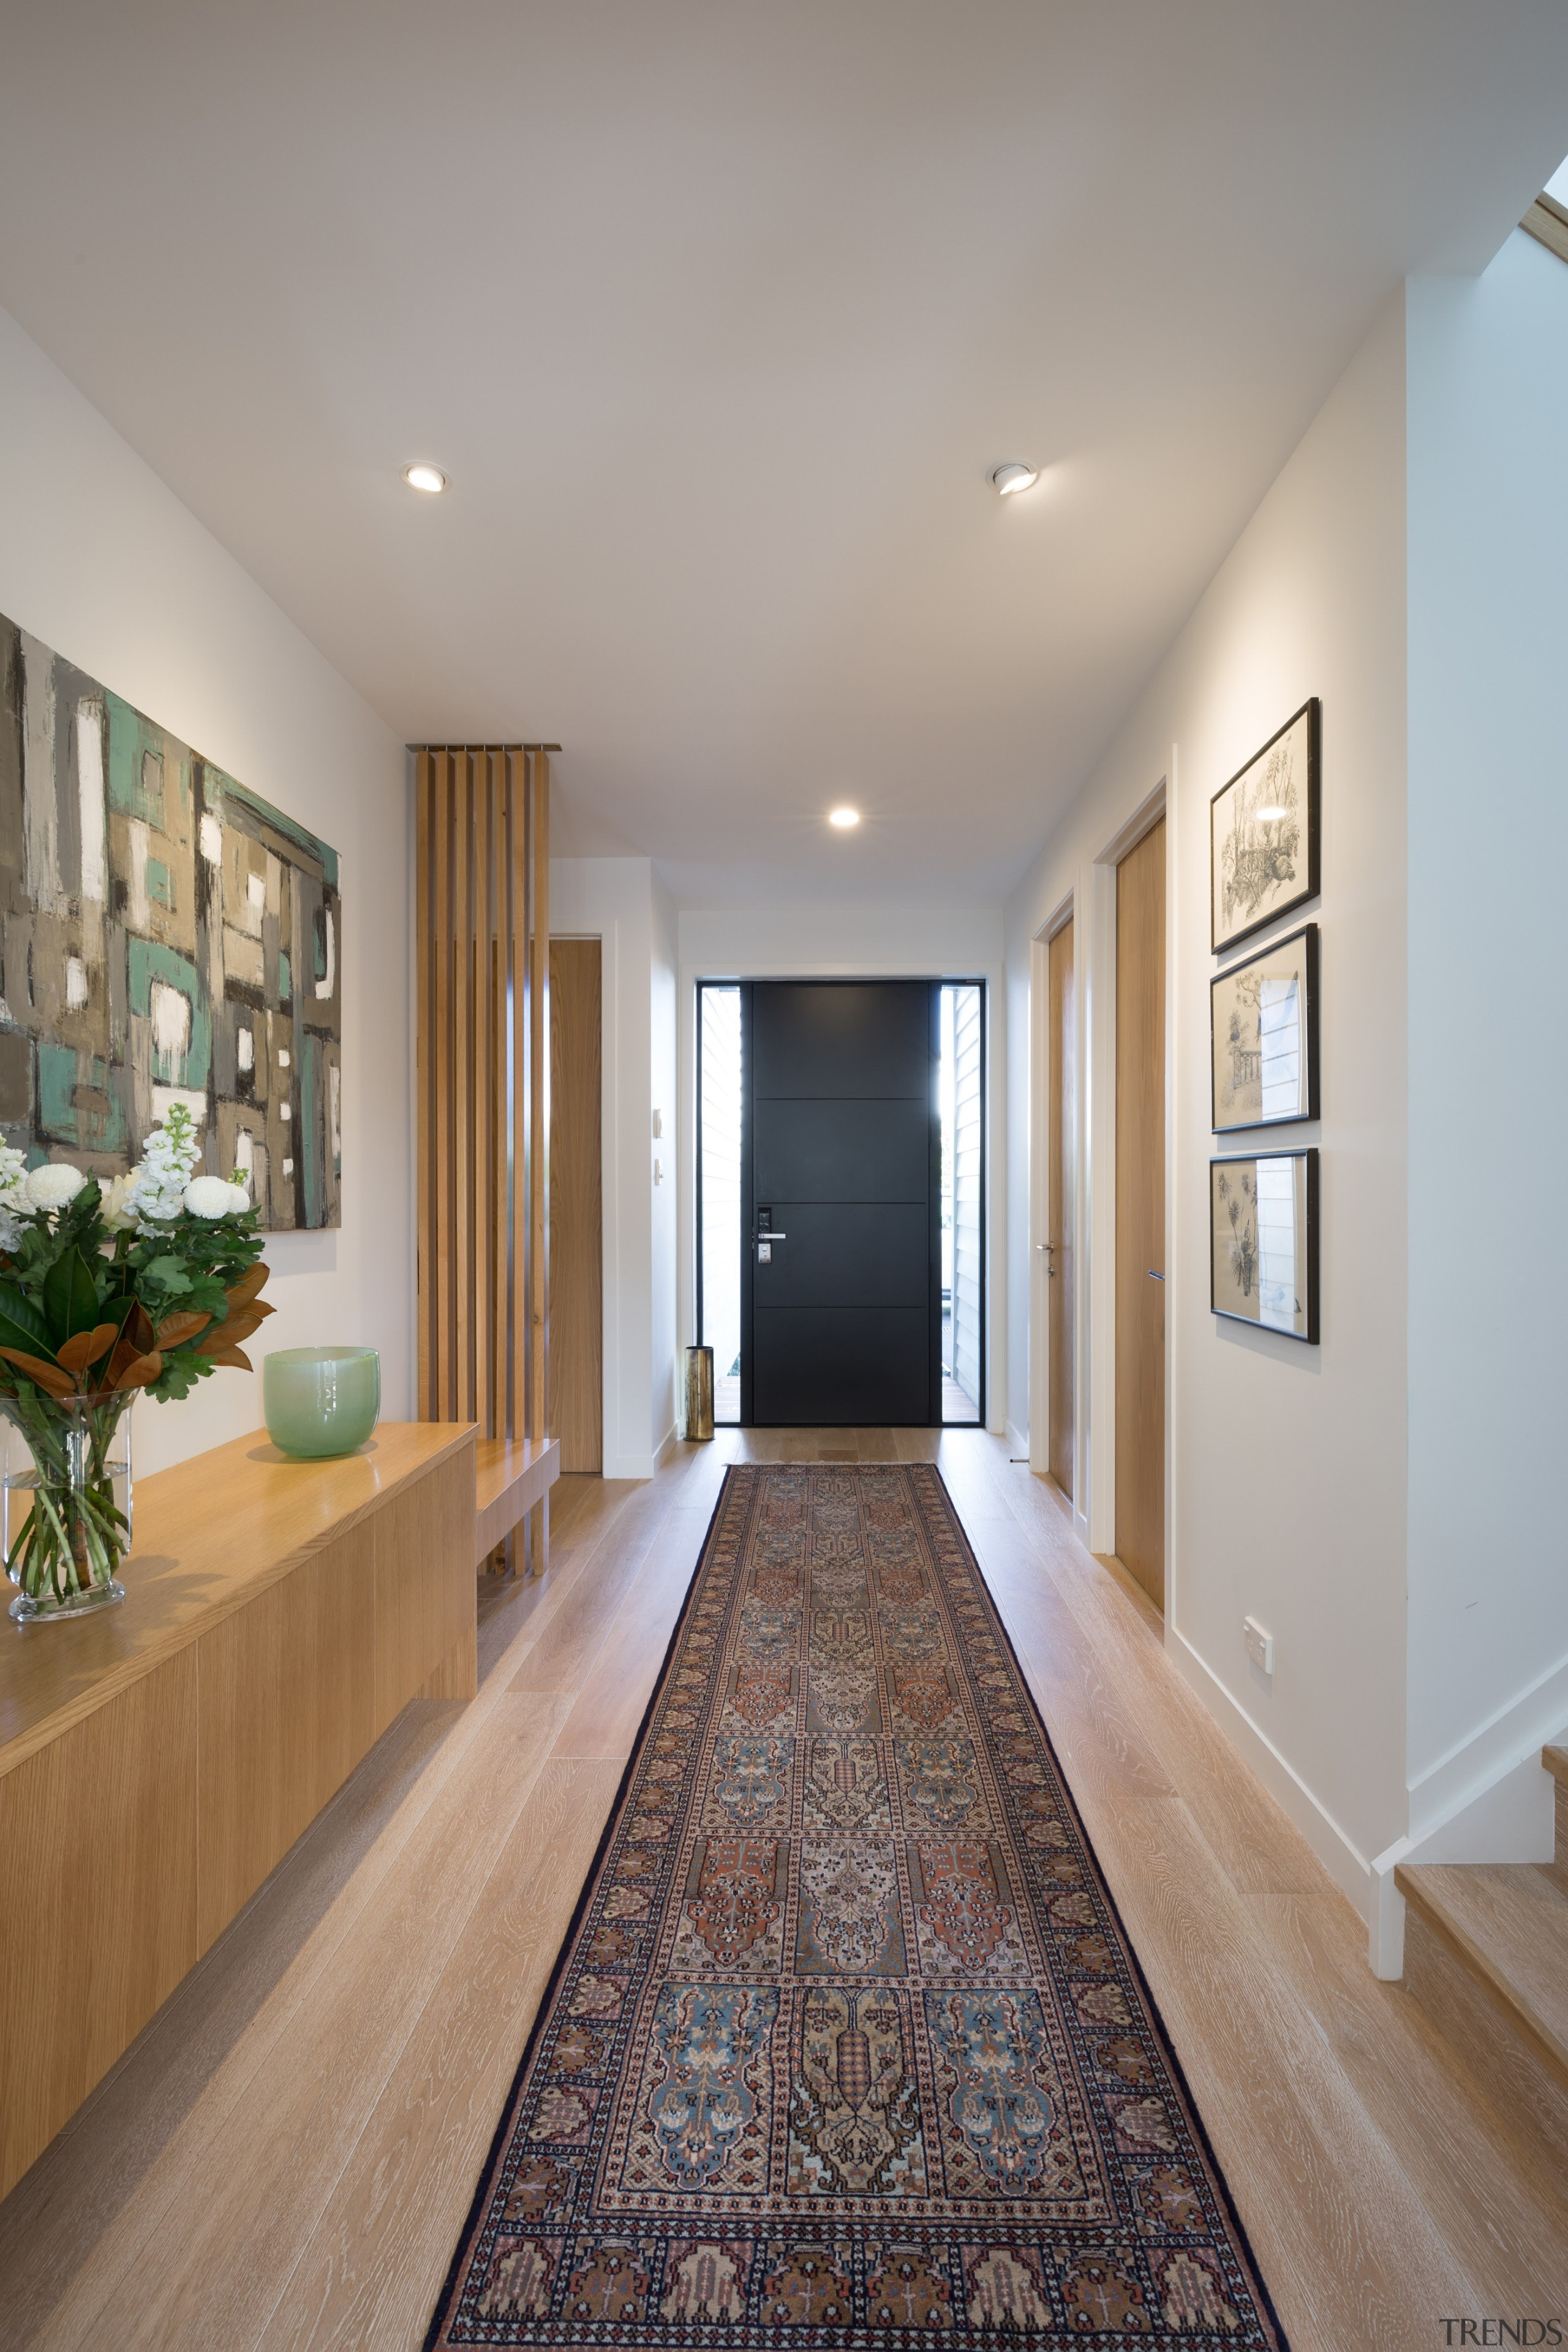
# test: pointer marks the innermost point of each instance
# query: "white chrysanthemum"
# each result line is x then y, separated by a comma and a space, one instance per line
214, 1196
51, 1186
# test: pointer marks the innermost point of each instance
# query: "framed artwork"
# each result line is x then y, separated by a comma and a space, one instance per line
1263, 833
165, 936
1263, 1035
1263, 1242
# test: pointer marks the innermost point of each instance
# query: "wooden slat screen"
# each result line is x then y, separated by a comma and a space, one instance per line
483, 1117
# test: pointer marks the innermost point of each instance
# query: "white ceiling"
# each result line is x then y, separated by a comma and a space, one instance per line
719, 316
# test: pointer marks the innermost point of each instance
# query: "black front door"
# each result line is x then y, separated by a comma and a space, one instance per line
840, 1193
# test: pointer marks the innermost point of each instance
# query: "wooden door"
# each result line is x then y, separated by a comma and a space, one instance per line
1061, 1132
576, 1222
1141, 1212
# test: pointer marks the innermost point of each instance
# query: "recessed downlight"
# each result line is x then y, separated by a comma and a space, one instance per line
429, 478
1011, 479
845, 818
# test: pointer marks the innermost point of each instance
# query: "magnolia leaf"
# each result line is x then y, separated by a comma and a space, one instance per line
138, 1328
236, 1356
71, 1297
125, 1353
48, 1377
87, 1346
14, 1335
16, 1308
142, 1373
253, 1279
230, 1334
173, 1329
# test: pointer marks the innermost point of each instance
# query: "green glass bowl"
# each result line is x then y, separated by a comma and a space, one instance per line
321, 1400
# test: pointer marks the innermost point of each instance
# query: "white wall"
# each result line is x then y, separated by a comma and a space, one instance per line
1489, 1101
1288, 1487
615, 900
832, 943
103, 563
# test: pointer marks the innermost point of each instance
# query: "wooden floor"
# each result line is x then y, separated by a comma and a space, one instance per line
286, 2156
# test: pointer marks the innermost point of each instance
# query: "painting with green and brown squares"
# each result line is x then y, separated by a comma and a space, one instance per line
165, 936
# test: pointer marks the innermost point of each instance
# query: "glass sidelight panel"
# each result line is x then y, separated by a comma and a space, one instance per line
718, 1189
963, 1088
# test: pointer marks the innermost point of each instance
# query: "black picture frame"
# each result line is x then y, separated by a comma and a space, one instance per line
1222, 981
1269, 849
1307, 1262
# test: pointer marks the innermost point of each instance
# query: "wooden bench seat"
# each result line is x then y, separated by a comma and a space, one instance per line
512, 1474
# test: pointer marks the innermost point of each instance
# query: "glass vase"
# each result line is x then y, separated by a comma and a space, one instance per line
321, 1401
65, 1500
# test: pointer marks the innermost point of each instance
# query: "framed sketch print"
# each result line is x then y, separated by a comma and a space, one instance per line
1263, 1242
1263, 1035
1263, 833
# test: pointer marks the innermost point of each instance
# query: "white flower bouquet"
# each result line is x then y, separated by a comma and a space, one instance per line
149, 1283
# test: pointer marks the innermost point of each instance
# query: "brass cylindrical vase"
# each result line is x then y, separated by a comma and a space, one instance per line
699, 1392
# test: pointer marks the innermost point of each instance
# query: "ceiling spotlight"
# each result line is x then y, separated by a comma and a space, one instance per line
1010, 479
430, 478
844, 818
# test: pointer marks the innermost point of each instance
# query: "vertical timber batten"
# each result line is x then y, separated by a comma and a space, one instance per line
482, 1077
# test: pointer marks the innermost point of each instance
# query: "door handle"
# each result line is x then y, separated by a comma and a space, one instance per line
1155, 1277
773, 1237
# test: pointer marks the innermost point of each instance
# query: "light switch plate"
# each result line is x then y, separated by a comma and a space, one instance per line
1259, 1645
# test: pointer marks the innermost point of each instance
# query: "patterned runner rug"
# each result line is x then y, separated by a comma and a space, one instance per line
846, 2042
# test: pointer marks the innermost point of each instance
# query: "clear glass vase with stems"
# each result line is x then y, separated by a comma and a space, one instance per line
65, 1488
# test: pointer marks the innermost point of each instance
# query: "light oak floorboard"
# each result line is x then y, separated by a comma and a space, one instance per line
243, 2184
605, 1718
286, 2155
391, 2225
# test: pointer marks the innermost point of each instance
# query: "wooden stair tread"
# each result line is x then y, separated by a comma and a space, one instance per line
1508, 1924
1556, 1762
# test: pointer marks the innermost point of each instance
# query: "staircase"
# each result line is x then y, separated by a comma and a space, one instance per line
1507, 1926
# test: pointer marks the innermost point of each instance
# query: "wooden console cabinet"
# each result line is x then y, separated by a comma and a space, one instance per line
158, 1760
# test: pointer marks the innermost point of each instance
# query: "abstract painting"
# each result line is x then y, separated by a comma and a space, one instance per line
1263, 833
1263, 1035
1263, 1242
165, 936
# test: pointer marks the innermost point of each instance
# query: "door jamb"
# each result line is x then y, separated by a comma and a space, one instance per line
1101, 1142
1042, 1077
